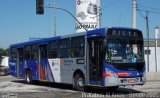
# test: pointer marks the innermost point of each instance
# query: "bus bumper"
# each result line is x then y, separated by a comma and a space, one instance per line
115, 81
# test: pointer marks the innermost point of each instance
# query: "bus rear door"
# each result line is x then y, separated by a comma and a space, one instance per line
95, 61
20, 62
43, 61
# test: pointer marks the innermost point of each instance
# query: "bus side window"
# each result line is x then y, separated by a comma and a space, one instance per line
13, 53
34, 51
20, 54
77, 47
64, 48
27, 52
53, 49
43, 50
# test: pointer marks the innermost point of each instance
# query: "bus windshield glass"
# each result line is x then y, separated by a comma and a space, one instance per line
120, 50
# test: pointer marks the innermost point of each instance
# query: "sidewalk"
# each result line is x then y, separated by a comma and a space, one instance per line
153, 76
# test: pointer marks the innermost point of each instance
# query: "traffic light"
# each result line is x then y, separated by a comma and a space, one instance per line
39, 6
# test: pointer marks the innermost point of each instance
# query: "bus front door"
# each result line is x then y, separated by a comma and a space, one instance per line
42, 62
20, 63
95, 61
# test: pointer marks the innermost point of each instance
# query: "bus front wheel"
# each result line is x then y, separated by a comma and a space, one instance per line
112, 88
28, 77
79, 82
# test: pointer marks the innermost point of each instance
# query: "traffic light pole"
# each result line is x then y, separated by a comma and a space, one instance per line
70, 14
40, 11
40, 7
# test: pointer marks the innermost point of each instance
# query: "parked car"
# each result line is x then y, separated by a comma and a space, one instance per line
4, 69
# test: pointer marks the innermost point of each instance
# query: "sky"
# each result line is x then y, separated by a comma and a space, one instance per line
19, 22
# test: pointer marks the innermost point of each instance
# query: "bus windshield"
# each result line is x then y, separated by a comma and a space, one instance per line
124, 51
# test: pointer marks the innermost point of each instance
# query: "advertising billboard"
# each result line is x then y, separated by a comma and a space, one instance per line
87, 13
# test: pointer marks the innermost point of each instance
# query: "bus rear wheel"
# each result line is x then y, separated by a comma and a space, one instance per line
79, 82
28, 77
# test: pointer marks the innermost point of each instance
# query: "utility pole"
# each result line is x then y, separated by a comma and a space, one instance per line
156, 37
54, 17
147, 30
134, 7
49, 21
99, 13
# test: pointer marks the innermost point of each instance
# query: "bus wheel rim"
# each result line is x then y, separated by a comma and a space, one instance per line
28, 80
80, 82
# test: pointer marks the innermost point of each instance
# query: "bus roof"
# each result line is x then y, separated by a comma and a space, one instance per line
96, 32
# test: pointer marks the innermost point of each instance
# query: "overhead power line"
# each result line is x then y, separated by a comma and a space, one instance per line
148, 7
140, 13
143, 10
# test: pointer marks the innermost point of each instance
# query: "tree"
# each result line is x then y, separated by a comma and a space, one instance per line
0, 60
3, 52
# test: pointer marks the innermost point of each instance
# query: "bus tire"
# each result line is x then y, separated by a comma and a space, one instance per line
5, 72
79, 82
112, 88
28, 77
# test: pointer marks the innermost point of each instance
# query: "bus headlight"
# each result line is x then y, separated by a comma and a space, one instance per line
111, 72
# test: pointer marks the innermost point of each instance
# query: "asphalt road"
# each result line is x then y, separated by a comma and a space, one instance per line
15, 88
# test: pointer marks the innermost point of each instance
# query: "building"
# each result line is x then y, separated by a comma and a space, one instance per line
153, 62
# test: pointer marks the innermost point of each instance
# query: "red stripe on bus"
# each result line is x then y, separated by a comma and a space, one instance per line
106, 74
41, 72
121, 74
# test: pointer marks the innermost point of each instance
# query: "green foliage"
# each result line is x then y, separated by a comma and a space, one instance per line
3, 52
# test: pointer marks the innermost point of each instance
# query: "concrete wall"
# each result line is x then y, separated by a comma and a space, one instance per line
158, 58
154, 65
154, 59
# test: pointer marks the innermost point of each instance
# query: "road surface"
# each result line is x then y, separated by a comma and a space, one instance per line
16, 88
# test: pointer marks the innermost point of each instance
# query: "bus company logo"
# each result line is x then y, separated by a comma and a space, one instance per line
68, 62
78, 2
129, 74
55, 62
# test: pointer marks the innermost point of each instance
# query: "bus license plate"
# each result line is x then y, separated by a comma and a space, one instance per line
132, 80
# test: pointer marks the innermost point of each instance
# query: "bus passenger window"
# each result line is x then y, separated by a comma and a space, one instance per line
34, 52
43, 50
77, 47
13, 53
53, 50
20, 54
27, 52
64, 48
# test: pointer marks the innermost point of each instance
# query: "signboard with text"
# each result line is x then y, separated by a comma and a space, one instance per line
87, 13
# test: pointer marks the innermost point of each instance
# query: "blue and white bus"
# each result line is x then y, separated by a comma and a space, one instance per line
106, 57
